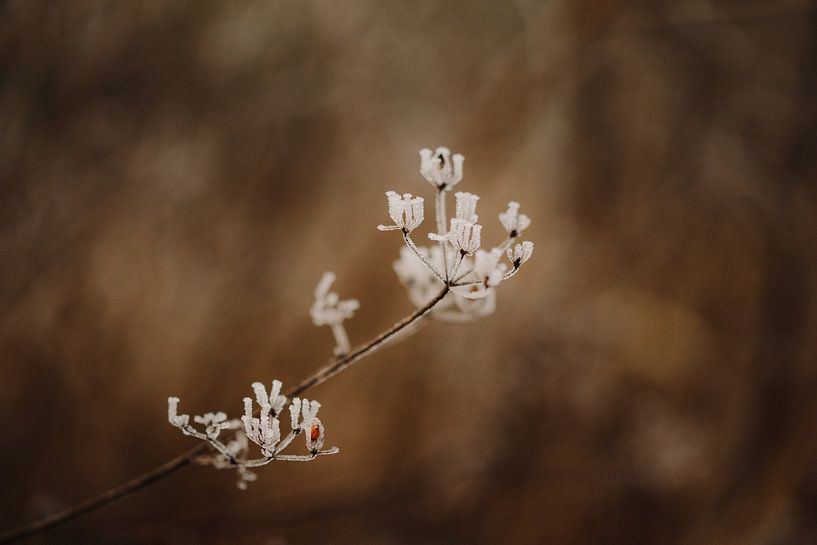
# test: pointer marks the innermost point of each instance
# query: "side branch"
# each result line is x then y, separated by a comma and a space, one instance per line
341, 363
322, 375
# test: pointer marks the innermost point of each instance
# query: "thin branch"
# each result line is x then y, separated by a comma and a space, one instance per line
322, 375
335, 367
413, 247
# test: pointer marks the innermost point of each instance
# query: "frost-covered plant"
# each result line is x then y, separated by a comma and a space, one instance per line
264, 430
458, 261
456, 279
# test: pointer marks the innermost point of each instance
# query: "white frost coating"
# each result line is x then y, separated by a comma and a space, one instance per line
441, 169
463, 282
295, 412
471, 273
329, 310
177, 420
514, 222
263, 430
465, 236
406, 212
520, 254
463, 225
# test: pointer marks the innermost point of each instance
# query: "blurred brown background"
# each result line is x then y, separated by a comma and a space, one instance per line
177, 175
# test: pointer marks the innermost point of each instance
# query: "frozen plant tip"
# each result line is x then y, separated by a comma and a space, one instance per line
441, 169
514, 222
329, 310
264, 430
459, 264
406, 212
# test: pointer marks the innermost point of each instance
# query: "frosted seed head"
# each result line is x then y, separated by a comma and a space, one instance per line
520, 253
440, 169
406, 212
465, 236
514, 222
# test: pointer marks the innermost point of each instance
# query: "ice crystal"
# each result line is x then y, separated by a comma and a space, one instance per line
263, 430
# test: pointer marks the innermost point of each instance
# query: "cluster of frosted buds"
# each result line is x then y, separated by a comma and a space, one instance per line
405, 211
470, 273
441, 169
328, 309
264, 430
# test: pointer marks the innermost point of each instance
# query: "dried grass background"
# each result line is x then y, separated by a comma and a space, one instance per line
175, 176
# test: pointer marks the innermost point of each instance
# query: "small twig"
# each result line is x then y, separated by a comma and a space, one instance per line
413, 247
322, 375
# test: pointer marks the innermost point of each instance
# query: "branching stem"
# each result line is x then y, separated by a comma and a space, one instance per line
413, 247
334, 367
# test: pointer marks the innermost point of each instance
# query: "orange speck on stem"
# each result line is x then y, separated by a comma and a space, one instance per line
314, 433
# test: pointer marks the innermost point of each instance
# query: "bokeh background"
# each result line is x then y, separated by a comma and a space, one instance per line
175, 177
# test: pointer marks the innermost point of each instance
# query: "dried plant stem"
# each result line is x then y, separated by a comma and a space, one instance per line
322, 375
